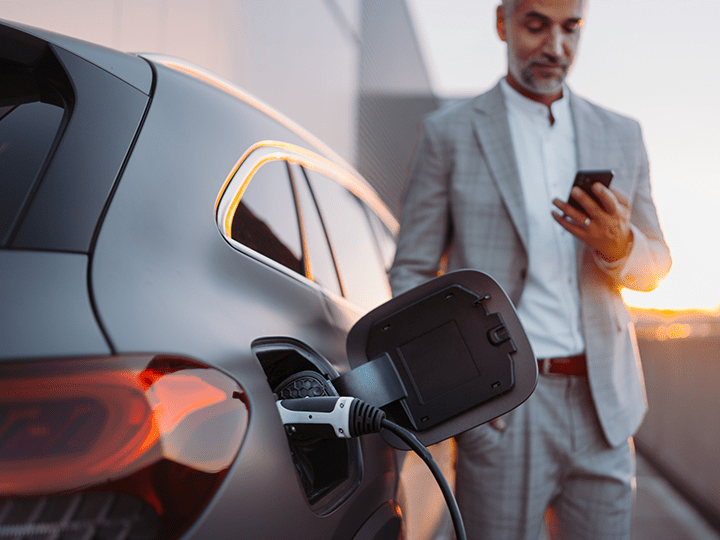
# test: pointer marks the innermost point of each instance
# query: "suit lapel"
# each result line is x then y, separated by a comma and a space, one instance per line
492, 131
593, 148
584, 135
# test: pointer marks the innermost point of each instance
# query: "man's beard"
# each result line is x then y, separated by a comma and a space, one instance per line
524, 75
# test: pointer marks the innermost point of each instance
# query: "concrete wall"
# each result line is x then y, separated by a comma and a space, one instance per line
302, 58
394, 94
681, 433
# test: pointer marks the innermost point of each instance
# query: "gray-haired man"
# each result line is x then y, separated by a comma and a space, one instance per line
486, 189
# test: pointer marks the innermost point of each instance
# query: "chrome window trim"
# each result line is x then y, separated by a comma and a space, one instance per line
265, 151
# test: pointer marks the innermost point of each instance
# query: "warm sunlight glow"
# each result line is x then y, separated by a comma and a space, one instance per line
673, 331
681, 291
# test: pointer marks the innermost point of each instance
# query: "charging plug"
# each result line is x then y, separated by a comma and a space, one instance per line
329, 417
347, 417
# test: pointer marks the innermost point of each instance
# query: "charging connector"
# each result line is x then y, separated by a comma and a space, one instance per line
327, 417
347, 417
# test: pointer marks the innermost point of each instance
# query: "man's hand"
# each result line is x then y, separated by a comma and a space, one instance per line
499, 424
606, 228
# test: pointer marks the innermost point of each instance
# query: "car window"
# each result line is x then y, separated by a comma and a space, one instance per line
321, 266
384, 238
312, 215
266, 218
27, 131
362, 273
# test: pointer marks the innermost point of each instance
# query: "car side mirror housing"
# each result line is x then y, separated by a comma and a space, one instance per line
442, 358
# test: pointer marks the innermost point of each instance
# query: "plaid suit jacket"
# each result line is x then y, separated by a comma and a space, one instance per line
464, 200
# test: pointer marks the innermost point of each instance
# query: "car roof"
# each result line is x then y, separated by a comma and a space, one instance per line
126, 67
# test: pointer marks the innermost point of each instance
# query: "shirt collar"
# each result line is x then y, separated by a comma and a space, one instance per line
537, 112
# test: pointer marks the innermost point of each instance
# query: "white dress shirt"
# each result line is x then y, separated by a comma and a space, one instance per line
549, 308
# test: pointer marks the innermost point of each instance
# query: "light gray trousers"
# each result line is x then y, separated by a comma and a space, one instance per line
553, 459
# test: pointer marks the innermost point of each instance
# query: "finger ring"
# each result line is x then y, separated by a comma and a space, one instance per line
586, 222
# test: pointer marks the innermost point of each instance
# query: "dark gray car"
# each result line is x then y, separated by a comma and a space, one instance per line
176, 261
151, 318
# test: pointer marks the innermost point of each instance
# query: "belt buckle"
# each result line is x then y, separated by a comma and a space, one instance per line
546, 364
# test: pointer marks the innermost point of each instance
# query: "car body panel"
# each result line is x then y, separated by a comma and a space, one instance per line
119, 253
161, 257
37, 292
157, 236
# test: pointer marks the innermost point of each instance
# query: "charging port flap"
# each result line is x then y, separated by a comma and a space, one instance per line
442, 358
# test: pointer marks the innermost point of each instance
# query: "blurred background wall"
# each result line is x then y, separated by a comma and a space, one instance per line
681, 433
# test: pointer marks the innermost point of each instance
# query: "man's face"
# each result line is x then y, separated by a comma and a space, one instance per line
542, 38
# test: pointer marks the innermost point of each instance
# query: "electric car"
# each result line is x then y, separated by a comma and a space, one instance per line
181, 267
175, 257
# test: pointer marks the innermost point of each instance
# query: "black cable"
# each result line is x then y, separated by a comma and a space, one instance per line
425, 455
346, 417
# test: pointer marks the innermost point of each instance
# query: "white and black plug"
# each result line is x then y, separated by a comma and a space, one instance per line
329, 417
347, 417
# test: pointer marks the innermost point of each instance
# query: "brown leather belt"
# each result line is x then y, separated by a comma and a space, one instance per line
569, 365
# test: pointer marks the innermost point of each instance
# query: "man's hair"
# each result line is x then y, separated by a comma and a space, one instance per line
509, 7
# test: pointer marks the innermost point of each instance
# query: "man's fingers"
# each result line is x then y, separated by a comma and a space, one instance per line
499, 423
613, 201
570, 214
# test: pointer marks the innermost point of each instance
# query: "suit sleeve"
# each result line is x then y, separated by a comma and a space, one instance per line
425, 225
649, 260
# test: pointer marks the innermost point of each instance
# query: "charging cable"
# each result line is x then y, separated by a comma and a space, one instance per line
347, 417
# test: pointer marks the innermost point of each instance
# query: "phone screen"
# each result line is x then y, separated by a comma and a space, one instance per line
584, 180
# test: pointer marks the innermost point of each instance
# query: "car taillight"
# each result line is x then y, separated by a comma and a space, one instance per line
146, 439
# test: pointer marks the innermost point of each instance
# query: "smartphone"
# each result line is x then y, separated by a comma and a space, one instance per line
584, 180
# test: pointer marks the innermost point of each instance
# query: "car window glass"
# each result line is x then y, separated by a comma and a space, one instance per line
322, 266
362, 275
27, 132
266, 218
384, 238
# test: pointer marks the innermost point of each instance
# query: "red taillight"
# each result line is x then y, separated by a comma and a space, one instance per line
140, 425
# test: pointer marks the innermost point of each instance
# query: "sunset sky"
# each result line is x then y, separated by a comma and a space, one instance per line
657, 61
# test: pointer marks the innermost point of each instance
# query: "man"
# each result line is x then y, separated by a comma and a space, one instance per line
481, 191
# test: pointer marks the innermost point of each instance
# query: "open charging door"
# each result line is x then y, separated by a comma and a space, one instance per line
442, 358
